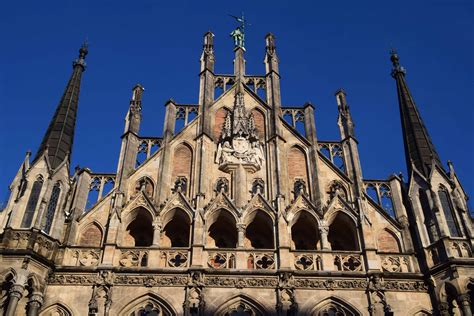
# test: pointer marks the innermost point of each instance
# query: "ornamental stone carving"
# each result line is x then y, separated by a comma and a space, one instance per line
239, 143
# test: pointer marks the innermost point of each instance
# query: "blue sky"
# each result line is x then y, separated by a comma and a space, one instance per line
322, 46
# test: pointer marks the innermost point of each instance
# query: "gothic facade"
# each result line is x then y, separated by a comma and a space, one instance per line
237, 209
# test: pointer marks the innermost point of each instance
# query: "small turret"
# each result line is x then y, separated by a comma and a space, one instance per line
134, 115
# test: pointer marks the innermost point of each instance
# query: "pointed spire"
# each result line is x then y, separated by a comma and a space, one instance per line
271, 58
207, 56
134, 115
60, 134
346, 125
419, 150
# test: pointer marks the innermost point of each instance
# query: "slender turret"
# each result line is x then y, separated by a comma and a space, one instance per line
57, 141
419, 150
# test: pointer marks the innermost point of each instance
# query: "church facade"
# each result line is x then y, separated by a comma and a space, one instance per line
237, 209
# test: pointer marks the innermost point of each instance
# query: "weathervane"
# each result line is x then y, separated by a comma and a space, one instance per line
239, 33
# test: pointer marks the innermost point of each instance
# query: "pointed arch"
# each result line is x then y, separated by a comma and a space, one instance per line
219, 118
149, 302
387, 241
91, 235
297, 168
32, 202
343, 232
259, 118
47, 221
304, 231
139, 228
243, 304
182, 164
334, 306
259, 232
146, 185
448, 211
221, 229
176, 228
57, 309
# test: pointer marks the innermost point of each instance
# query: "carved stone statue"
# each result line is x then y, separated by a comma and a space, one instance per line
238, 36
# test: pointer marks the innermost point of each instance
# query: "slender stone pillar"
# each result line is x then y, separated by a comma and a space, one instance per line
465, 303
156, 233
240, 235
15, 294
34, 304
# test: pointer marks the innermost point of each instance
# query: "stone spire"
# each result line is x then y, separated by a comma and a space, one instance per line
207, 56
134, 115
346, 125
419, 150
57, 141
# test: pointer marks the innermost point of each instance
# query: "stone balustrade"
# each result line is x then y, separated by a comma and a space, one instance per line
396, 263
307, 261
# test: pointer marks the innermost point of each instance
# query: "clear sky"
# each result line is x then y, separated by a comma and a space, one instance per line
322, 45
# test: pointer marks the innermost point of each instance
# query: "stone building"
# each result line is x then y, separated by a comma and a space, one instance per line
237, 209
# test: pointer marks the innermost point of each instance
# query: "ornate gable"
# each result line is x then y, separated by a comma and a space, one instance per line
258, 202
301, 203
222, 201
176, 200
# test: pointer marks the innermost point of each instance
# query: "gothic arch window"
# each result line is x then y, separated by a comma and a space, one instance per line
56, 310
139, 232
240, 306
32, 203
334, 307
148, 305
297, 167
430, 222
343, 233
222, 232
259, 231
53, 202
176, 231
388, 242
304, 232
182, 164
91, 236
386, 200
259, 119
448, 212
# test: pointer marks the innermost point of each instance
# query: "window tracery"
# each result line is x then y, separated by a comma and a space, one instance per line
53, 202
32, 202
448, 212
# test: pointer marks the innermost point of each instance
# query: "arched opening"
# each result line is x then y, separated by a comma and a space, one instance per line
144, 185
334, 307
304, 232
259, 120
451, 295
32, 203
91, 236
182, 164
56, 310
343, 233
47, 221
222, 231
388, 242
176, 231
259, 232
448, 211
139, 232
430, 222
149, 305
241, 306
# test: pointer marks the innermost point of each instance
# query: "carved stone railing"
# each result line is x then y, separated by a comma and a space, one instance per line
396, 263
307, 261
149, 145
31, 239
458, 248
296, 114
99, 182
133, 257
221, 259
174, 258
261, 260
186, 112
348, 262
253, 82
83, 257
334, 152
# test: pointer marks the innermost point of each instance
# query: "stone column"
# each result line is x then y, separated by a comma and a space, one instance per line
15, 294
34, 304
156, 233
465, 303
323, 231
241, 235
